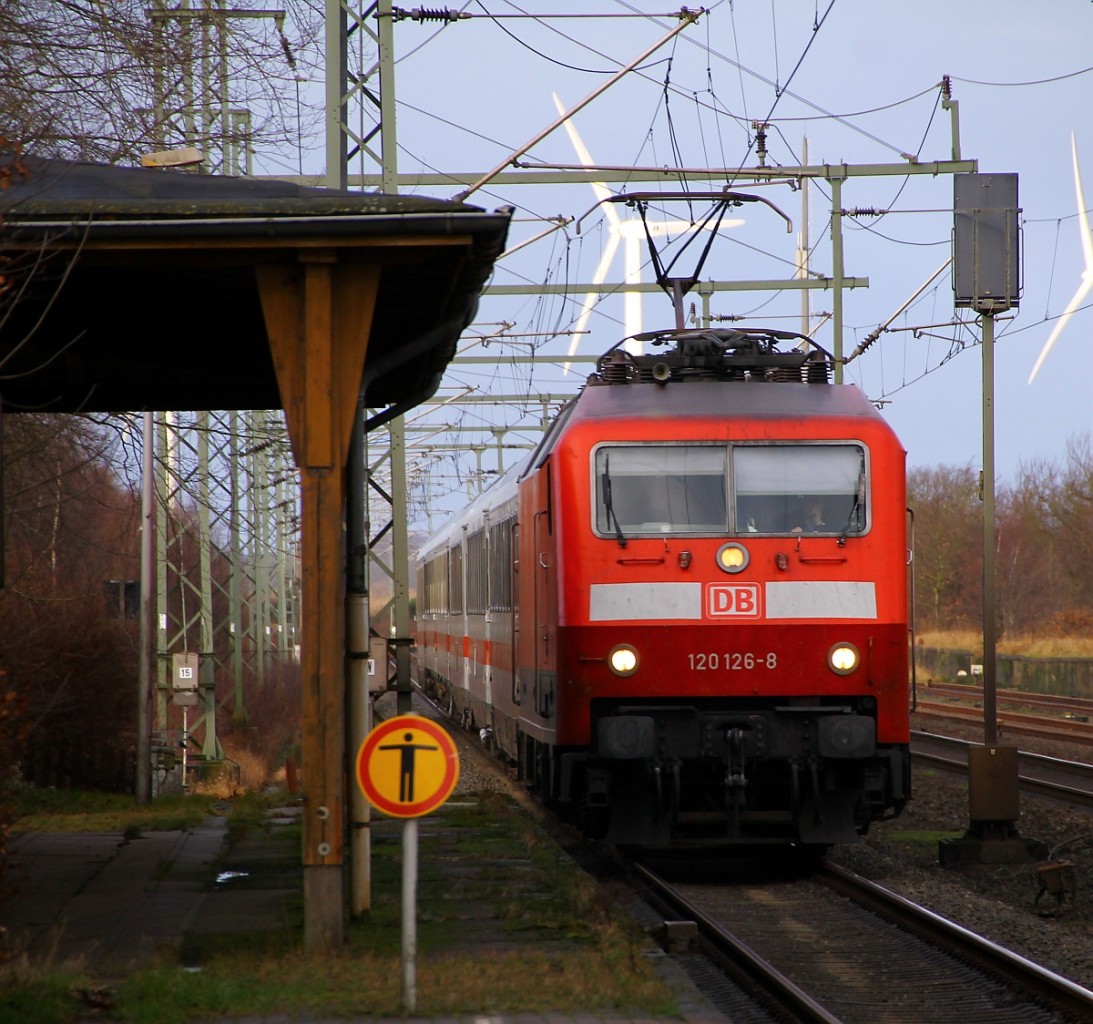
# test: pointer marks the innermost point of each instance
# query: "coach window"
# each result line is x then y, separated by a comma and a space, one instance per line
455, 586
660, 489
477, 592
813, 488
500, 571
435, 579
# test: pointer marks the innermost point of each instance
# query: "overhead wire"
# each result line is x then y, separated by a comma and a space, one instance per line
539, 53
713, 104
741, 68
666, 90
784, 90
1035, 81
780, 90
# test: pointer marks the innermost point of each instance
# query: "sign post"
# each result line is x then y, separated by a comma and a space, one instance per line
407, 767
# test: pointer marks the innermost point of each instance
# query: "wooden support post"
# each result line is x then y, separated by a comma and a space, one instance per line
318, 315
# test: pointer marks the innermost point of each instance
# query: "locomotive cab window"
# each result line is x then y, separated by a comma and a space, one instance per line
660, 489
808, 488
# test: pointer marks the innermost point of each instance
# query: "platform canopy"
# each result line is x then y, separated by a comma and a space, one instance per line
125, 289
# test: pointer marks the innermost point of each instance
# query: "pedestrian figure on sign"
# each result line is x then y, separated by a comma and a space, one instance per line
406, 774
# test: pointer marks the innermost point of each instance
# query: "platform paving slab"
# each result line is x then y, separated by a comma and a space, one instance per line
103, 898
118, 903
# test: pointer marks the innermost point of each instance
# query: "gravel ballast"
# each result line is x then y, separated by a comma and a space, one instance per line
998, 901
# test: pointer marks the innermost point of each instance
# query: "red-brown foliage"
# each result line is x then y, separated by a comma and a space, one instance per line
70, 528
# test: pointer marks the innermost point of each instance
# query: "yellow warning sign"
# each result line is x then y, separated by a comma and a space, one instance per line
407, 766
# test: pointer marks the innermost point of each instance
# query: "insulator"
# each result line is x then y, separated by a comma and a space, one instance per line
867, 341
438, 14
617, 368
616, 373
760, 128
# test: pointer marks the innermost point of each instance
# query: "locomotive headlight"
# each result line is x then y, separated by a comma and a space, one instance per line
843, 658
732, 557
623, 660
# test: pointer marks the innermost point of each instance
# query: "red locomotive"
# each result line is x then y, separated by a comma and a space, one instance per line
684, 615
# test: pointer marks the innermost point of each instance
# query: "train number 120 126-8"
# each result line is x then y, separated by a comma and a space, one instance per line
731, 661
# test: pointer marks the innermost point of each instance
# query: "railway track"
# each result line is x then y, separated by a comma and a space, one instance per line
1071, 781
1058, 704
799, 950
1059, 718
835, 947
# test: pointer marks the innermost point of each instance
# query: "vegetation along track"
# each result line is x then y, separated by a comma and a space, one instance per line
835, 947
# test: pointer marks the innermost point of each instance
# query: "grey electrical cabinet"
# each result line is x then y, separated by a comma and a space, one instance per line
986, 242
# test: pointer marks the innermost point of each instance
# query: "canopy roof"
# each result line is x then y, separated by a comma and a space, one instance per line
126, 289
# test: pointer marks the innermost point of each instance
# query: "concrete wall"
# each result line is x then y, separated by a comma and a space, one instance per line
1072, 677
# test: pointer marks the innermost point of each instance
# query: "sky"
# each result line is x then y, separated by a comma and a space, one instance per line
860, 79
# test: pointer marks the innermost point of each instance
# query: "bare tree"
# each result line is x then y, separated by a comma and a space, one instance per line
70, 521
108, 80
1071, 508
1030, 587
70, 525
948, 544
71, 74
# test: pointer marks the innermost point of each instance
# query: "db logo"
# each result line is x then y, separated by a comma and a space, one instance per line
732, 600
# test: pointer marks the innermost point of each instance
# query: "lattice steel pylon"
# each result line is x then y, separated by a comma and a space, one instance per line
360, 122
226, 529
192, 78
227, 493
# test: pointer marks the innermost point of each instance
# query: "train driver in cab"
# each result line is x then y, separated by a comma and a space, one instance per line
813, 517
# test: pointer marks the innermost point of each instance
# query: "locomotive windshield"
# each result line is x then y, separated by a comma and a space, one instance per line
775, 488
806, 488
660, 489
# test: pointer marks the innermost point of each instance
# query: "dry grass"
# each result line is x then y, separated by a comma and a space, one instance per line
1028, 646
951, 640
60, 810
254, 770
368, 985
1053, 647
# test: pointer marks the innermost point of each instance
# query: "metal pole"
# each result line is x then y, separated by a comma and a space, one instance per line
336, 106
163, 507
357, 643
802, 251
235, 584
400, 559
837, 274
990, 723
409, 915
260, 615
210, 748
147, 617
185, 744
385, 33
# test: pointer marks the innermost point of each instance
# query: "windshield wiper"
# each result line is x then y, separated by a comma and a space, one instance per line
854, 519
611, 517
